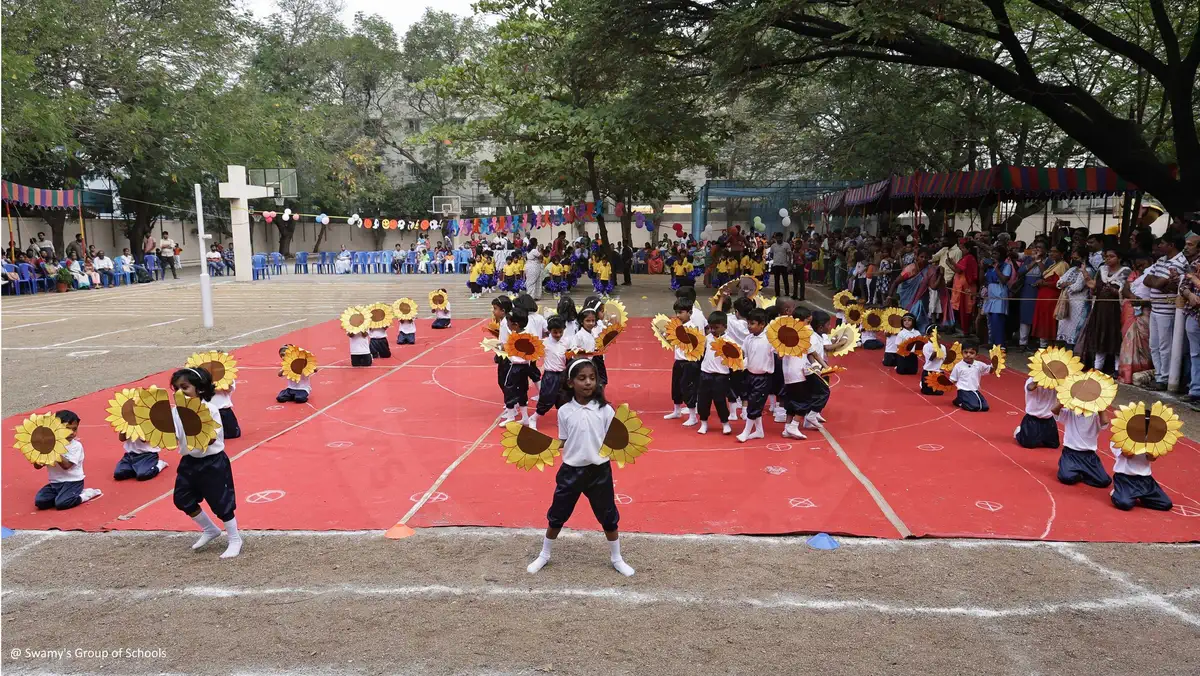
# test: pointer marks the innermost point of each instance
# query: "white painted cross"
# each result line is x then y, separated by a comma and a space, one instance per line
237, 191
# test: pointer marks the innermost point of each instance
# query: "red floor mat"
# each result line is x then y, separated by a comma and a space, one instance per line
373, 441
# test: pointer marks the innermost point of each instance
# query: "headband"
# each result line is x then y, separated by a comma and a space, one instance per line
195, 371
576, 363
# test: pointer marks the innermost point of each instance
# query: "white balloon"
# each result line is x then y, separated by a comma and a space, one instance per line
434, 225
783, 213
787, 222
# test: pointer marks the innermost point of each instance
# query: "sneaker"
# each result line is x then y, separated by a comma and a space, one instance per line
792, 431
703, 428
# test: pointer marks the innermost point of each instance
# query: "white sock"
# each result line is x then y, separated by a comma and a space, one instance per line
208, 529
725, 428
673, 414
533, 421
684, 410
510, 414
89, 494
703, 428
543, 558
758, 427
745, 435
162, 464
524, 416
614, 554
692, 420
235, 540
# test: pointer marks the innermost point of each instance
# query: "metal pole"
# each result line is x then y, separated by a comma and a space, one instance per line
1178, 345
206, 311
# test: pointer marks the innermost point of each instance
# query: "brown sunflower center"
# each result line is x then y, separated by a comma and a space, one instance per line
190, 420
895, 322
405, 308
608, 338
127, 412
1147, 431
215, 369
357, 320
1087, 390
524, 346
531, 442
873, 320
42, 439
160, 416
298, 365
788, 336
617, 436
438, 299
377, 315
1056, 369
730, 350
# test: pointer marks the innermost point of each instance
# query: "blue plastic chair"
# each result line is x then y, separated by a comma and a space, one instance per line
122, 277
27, 276
259, 263
301, 262
385, 261
277, 262
376, 258
462, 260
152, 266
410, 261
15, 286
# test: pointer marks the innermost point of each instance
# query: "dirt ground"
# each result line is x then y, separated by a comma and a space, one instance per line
458, 600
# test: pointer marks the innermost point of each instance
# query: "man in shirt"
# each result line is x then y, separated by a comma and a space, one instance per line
781, 257
76, 247
1162, 280
45, 245
104, 266
166, 254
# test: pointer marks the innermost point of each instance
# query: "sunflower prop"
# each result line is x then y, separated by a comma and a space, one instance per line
379, 315
525, 346
297, 363
405, 309
686, 338
492, 328
493, 345
748, 286
1050, 366
607, 337
157, 418
355, 320
614, 312
1087, 393
121, 416
438, 300
42, 438
939, 381
764, 302
953, 355
997, 356
1137, 431
222, 367
789, 336
626, 438
842, 300
854, 314
893, 320
873, 320
658, 326
830, 370
938, 351
527, 448
910, 345
850, 333
730, 354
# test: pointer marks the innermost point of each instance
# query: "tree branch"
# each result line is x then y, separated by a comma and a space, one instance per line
1104, 38
1011, 44
1170, 40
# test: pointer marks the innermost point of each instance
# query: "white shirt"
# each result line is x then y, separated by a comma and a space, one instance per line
932, 363
504, 331
1039, 402
1135, 465
967, 376
865, 336
582, 429
572, 328
892, 344
556, 354
166, 248
760, 358
139, 446
74, 454
442, 314
218, 444
360, 344
102, 263
584, 341
1162, 268
699, 318
1080, 431
794, 369
680, 355
736, 329
377, 333
712, 362
537, 325
224, 398
213, 255
905, 334
304, 384
406, 327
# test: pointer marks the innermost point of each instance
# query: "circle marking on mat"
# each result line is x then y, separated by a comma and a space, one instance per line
989, 506
622, 499
1184, 510
1014, 413
275, 407
930, 447
803, 503
340, 444
633, 386
264, 496
779, 447
776, 470
394, 409
433, 497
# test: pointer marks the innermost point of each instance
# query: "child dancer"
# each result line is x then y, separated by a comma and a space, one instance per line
140, 461
595, 304
501, 306
684, 373
441, 317
681, 271
760, 366
223, 400
360, 348
714, 378
206, 474
473, 277
65, 489
553, 277
1078, 461
378, 339
584, 340
818, 388
1133, 484
966, 374
516, 381
406, 333
1038, 428
555, 364
603, 283
905, 366
296, 392
566, 310
775, 402
933, 364
737, 331
582, 423
488, 278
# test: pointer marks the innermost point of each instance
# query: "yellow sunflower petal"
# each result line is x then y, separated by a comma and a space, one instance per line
297, 363
355, 319
406, 309
789, 336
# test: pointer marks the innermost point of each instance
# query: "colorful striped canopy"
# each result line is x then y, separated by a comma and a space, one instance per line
39, 197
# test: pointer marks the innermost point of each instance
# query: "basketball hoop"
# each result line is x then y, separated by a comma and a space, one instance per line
447, 206
283, 179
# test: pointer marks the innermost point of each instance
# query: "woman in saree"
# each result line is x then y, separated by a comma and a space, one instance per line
654, 261
1029, 274
913, 286
1045, 326
966, 286
1102, 336
1134, 357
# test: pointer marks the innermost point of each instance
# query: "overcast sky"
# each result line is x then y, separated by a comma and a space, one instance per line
402, 13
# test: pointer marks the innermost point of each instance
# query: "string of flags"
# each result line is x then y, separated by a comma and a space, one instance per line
467, 226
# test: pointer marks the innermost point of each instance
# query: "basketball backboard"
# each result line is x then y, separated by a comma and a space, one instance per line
283, 179
447, 205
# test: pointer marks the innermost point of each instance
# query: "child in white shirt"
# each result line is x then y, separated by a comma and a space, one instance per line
760, 370
905, 366
140, 461
223, 400
1133, 484
714, 378
554, 363
441, 317
684, 373
737, 330
360, 349
933, 364
516, 381
297, 392
406, 333
966, 375
1079, 461
378, 341
1038, 428
65, 489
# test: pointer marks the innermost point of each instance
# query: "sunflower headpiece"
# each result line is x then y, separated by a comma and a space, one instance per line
492, 328
354, 320
405, 309
608, 336
379, 315
874, 320
842, 300
910, 345
854, 314
1087, 393
438, 300
625, 440
686, 338
525, 346
221, 366
939, 381
121, 415
730, 353
953, 355
1153, 432
851, 334
163, 424
1051, 366
893, 320
789, 336
297, 363
527, 448
42, 438
658, 326
614, 312
998, 359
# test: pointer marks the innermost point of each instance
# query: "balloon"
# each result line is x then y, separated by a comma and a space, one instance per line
268, 216
783, 213
620, 209
760, 226
354, 220
787, 222
287, 214
757, 220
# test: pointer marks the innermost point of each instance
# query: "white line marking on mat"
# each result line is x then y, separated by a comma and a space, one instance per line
457, 461
880, 501
313, 415
1152, 599
52, 321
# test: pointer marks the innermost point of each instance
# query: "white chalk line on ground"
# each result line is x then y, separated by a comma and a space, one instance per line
250, 333
12, 553
607, 595
23, 326
119, 347
1154, 600
312, 416
109, 333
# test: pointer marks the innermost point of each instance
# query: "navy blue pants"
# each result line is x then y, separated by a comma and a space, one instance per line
684, 377
360, 360
209, 479
906, 366
516, 385
890, 358
1075, 466
289, 394
380, 348
441, 323
140, 466
594, 481
758, 386
406, 338
229, 423
996, 328
552, 385
1130, 490
1037, 432
61, 495
872, 344
737, 386
714, 389
971, 401
795, 398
